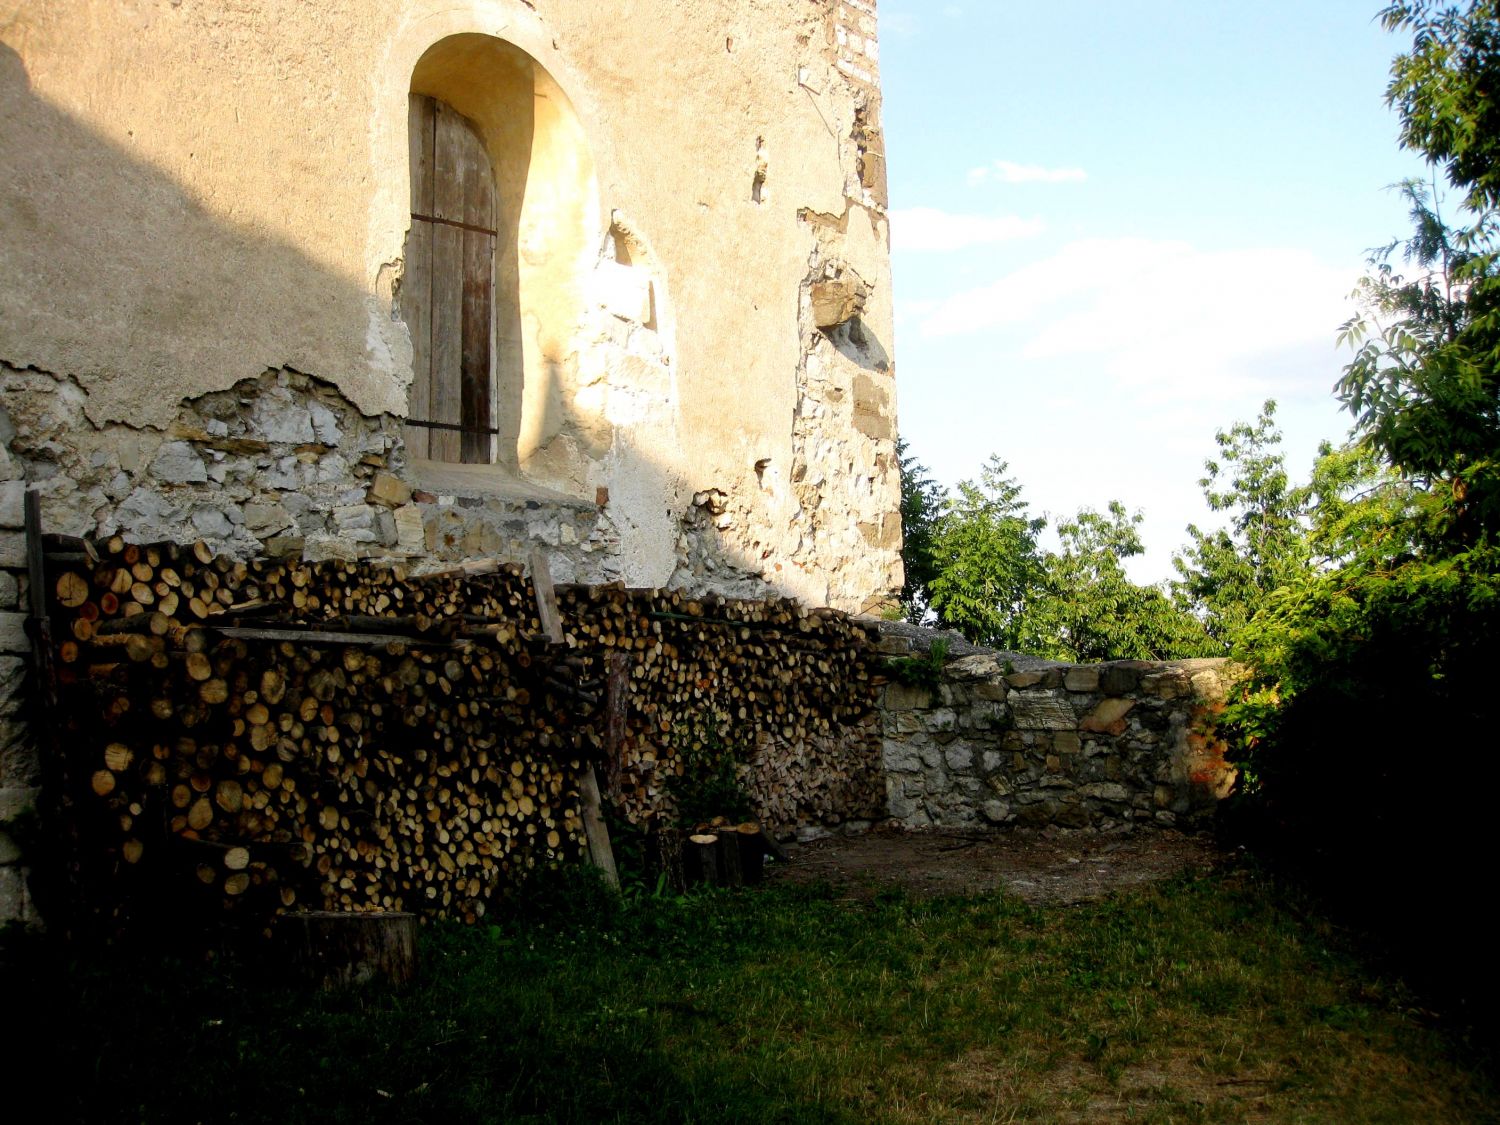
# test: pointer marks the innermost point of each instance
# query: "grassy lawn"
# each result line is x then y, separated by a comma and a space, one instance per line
1202, 1000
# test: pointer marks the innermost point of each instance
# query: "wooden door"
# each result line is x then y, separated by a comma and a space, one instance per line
447, 292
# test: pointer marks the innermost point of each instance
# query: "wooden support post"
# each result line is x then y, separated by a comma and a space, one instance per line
595, 830
40, 624
546, 598
617, 699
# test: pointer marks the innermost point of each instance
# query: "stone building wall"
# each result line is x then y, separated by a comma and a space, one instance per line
207, 201
201, 326
1015, 741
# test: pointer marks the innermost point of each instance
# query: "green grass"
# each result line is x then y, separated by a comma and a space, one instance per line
1202, 1000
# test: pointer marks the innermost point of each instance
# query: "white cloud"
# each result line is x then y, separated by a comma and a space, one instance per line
928, 228
1008, 172
1165, 319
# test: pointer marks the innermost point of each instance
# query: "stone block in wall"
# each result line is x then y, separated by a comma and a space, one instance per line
1171, 684
388, 489
10, 590
836, 300
903, 723
874, 417
1210, 685
979, 666
13, 504
984, 715
1042, 710
900, 757
996, 812
941, 720
1119, 679
13, 550
19, 766
411, 535
1108, 717
12, 679
15, 897
17, 801
907, 697
13, 638
1081, 679
265, 518
177, 462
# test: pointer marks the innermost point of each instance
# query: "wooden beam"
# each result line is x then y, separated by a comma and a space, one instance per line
601, 855
546, 598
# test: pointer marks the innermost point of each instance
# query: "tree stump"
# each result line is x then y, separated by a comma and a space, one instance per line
700, 859
752, 849
335, 949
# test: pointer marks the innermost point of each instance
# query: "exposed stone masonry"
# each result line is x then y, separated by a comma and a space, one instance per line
1079, 746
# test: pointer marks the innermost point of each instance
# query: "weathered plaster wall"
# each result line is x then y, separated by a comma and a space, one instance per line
201, 194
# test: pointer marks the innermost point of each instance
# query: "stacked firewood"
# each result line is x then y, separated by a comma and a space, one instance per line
753, 676
280, 734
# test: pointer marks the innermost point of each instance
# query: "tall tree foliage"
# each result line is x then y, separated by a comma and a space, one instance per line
1089, 609
1372, 670
974, 563
1424, 385
922, 501
1225, 573
986, 560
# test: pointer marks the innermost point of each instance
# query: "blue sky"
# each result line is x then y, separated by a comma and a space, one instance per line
1119, 227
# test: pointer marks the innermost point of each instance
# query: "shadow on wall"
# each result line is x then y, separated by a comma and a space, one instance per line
117, 276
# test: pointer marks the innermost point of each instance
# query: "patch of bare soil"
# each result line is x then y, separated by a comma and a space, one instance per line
1076, 1091
1046, 866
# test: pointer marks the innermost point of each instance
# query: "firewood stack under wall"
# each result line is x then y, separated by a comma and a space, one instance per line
283, 735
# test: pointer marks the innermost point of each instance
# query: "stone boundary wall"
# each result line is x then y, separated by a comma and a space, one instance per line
1003, 739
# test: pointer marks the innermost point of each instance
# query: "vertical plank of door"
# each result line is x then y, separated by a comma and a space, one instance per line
449, 156
479, 318
416, 279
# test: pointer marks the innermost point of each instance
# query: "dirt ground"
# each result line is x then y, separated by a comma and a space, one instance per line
1047, 866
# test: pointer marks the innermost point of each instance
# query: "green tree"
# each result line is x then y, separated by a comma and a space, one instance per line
1371, 669
1443, 91
1089, 609
922, 501
1424, 385
987, 567
1226, 573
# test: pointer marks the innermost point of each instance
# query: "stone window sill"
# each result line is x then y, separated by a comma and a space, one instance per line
485, 482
